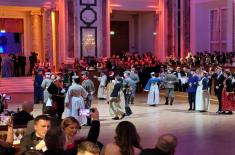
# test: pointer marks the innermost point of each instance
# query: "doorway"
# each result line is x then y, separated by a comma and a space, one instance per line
119, 36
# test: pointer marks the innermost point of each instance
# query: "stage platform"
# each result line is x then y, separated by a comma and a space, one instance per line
16, 85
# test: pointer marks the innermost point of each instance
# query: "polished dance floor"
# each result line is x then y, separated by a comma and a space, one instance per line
198, 133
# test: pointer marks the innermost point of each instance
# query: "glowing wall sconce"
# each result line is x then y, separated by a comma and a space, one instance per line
112, 33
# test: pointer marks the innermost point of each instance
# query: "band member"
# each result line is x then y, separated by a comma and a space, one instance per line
153, 90
170, 80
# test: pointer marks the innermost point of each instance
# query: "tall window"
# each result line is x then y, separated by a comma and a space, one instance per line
218, 29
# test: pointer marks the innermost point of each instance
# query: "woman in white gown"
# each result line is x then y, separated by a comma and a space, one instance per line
202, 94
74, 101
153, 90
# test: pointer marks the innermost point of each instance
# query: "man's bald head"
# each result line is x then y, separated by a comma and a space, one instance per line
167, 143
27, 106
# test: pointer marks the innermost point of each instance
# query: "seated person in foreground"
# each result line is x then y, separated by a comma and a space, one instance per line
166, 146
51, 113
24, 116
6, 146
35, 140
55, 141
88, 148
71, 128
126, 141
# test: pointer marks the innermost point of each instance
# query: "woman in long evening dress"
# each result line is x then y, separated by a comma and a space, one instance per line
153, 90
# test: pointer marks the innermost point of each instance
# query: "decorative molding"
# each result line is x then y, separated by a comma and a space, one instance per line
88, 16
88, 2
36, 12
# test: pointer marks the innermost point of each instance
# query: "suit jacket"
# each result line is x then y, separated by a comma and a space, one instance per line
22, 118
29, 142
219, 84
154, 151
55, 152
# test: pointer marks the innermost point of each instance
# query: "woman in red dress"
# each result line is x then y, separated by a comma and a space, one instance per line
228, 98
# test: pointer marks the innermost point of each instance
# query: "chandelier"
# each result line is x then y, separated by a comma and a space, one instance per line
88, 42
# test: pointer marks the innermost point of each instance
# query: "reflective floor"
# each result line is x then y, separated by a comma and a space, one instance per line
198, 133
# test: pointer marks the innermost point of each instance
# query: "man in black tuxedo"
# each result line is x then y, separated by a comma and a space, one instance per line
178, 74
165, 146
57, 91
22, 63
32, 62
219, 80
35, 140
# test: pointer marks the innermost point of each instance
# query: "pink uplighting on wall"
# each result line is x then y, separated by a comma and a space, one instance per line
115, 5
153, 6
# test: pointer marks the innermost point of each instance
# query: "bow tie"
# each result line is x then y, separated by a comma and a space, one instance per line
38, 138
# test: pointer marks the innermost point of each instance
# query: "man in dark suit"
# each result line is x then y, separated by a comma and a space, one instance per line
22, 63
35, 140
57, 92
24, 116
219, 80
178, 74
32, 62
166, 146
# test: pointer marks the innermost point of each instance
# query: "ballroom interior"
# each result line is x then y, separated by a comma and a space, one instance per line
63, 30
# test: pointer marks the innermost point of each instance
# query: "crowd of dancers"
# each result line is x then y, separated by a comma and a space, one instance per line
72, 91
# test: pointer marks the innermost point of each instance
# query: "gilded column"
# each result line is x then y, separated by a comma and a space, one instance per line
47, 37
37, 33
